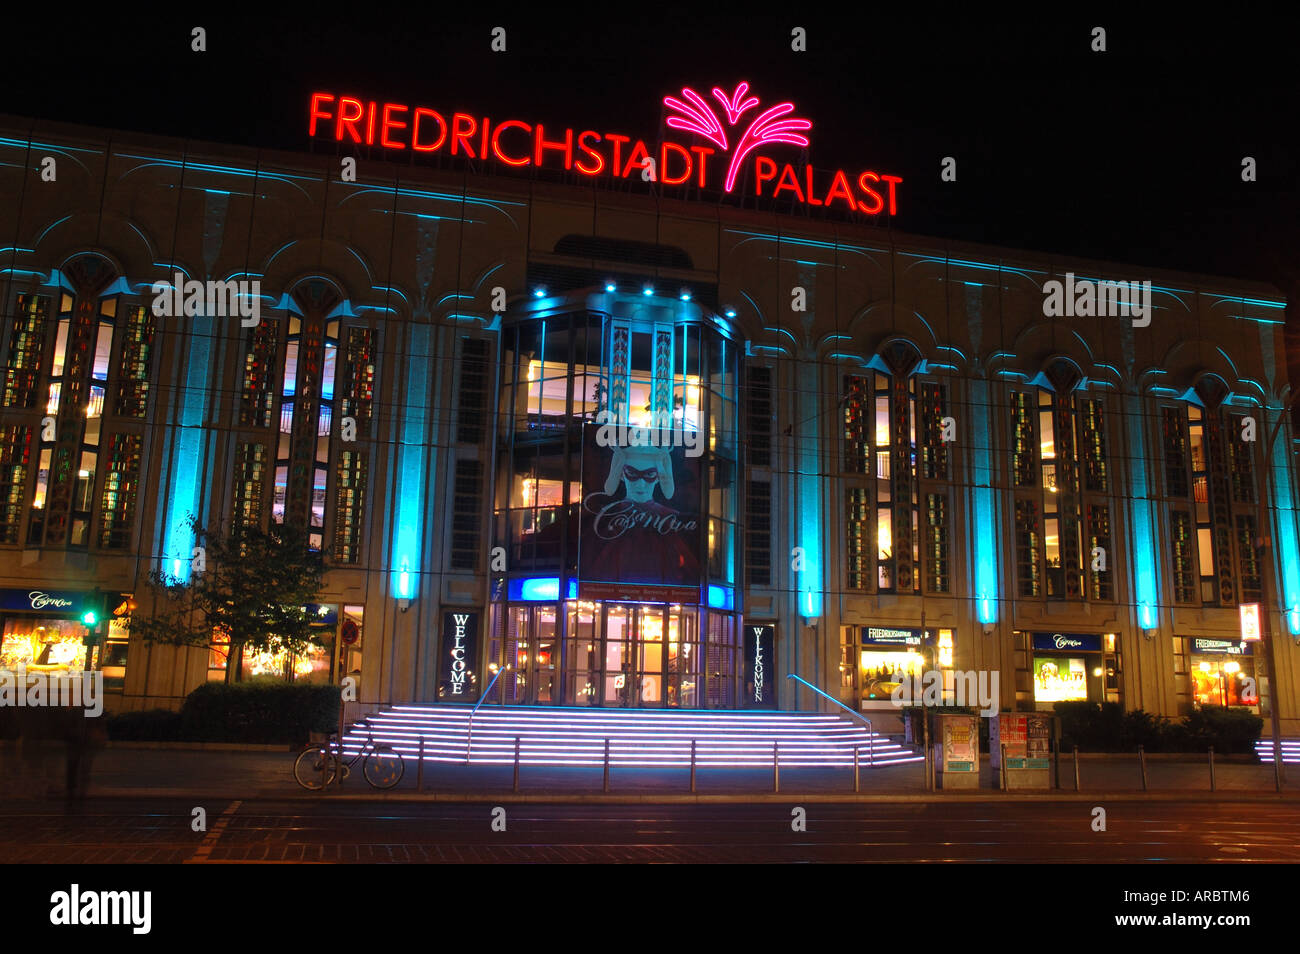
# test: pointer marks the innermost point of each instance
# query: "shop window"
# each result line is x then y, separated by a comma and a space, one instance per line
121, 483
255, 398
1100, 582
758, 533
1092, 436
1242, 462
934, 450
26, 347
759, 415
937, 531
1175, 442
1252, 587
1184, 565
471, 406
467, 515
857, 538
857, 435
358, 381
1027, 541
133, 367
350, 497
15, 464
250, 474
42, 644
1023, 453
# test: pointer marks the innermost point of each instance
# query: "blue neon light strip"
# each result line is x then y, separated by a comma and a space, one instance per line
810, 498
984, 508
187, 453
1146, 571
1288, 549
412, 467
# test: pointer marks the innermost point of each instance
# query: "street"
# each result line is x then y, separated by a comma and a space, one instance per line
126, 830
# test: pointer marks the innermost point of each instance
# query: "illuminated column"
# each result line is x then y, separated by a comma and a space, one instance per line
984, 509
1284, 513
413, 465
185, 479
1146, 578
810, 497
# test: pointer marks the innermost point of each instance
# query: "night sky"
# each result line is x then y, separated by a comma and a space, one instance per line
1132, 155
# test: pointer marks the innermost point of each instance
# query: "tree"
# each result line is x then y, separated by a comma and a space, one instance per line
254, 587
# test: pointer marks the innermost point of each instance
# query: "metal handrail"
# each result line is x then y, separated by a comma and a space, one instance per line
469, 738
834, 700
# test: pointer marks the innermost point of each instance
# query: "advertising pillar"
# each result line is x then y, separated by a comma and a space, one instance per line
956, 751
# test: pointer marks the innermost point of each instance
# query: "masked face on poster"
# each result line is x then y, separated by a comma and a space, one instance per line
641, 518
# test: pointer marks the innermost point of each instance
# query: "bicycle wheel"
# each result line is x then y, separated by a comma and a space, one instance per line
315, 767
384, 768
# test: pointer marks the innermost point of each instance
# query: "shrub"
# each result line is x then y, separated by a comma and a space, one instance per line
1232, 731
268, 711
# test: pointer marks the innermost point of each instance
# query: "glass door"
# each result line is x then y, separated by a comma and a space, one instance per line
531, 654
618, 656
650, 630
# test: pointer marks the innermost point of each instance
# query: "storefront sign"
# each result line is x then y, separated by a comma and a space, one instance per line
1075, 642
1222, 647
640, 523
1250, 621
458, 679
738, 129
760, 671
55, 602
878, 636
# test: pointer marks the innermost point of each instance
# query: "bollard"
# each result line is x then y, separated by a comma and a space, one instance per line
419, 769
1004, 768
325, 757
516, 783
776, 767
692, 766
1076, 768
1213, 786
1142, 760
857, 782
607, 765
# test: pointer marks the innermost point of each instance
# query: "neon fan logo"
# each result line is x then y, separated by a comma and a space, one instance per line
698, 116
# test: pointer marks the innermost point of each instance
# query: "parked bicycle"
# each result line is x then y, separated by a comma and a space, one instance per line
322, 762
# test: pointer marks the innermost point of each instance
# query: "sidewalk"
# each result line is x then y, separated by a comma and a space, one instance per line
186, 773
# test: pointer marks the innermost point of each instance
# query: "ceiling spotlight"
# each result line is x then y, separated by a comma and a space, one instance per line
730, 313
685, 294
610, 286
648, 290
539, 292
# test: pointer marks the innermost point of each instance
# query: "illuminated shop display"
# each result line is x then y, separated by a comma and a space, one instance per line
1223, 673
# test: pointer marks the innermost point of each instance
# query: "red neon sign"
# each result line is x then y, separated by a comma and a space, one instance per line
516, 143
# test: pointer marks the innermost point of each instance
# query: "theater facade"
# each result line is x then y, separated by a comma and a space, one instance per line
613, 440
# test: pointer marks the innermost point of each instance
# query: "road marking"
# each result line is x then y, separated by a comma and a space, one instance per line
205, 847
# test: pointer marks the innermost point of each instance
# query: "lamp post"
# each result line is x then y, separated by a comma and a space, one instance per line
1263, 550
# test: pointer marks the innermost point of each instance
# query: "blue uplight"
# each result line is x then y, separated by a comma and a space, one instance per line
412, 481
184, 488
810, 500
721, 597
985, 510
1288, 550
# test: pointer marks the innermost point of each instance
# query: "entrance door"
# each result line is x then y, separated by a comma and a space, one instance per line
532, 653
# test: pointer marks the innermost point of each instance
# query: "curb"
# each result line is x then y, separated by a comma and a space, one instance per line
723, 798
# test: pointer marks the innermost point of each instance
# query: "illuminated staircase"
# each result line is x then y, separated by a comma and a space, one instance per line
637, 738
1290, 751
